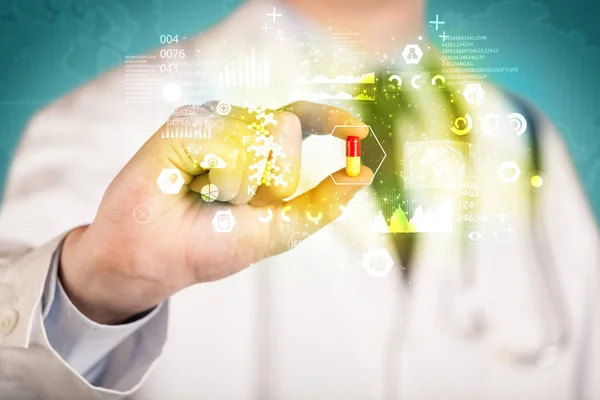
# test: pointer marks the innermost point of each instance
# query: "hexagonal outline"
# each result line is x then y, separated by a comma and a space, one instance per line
221, 212
483, 120
214, 117
180, 178
480, 86
380, 146
469, 241
306, 234
221, 103
311, 47
370, 255
419, 51
511, 164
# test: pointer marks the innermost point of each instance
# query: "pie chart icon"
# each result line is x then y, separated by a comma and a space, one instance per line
209, 193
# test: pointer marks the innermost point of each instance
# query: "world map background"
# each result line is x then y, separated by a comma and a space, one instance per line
50, 47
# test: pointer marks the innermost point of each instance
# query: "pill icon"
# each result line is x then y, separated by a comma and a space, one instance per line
353, 156
170, 182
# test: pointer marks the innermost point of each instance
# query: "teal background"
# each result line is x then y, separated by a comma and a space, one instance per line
49, 47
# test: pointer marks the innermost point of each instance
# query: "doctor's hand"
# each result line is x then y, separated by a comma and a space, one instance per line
158, 229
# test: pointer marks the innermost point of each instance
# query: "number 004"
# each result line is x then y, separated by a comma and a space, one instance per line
169, 39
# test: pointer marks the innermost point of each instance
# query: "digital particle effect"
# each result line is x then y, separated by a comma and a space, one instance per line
264, 147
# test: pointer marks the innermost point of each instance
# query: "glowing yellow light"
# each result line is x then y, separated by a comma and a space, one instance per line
536, 181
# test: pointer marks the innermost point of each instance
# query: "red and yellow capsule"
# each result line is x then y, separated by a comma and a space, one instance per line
353, 156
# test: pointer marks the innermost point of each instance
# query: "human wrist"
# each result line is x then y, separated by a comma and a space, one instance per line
92, 283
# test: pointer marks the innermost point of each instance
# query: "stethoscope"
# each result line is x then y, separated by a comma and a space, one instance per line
471, 326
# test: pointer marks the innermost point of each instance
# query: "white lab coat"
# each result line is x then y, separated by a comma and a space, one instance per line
310, 323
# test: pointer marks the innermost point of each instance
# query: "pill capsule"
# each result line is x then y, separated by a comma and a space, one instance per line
353, 156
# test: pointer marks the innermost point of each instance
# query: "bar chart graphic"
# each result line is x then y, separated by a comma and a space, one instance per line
202, 129
249, 70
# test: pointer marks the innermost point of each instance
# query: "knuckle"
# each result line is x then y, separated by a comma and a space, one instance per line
287, 119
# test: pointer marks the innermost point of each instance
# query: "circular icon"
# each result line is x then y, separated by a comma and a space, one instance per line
435, 79
266, 218
223, 108
518, 123
462, 125
415, 81
209, 193
142, 213
395, 81
490, 123
215, 123
211, 160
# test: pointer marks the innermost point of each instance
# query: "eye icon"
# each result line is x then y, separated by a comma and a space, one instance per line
473, 236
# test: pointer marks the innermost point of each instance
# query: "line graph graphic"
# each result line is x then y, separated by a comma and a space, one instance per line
366, 78
353, 93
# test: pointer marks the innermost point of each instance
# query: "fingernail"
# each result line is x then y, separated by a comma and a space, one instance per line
353, 121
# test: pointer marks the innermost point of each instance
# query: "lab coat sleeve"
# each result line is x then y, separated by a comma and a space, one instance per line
51, 359
85, 345
69, 154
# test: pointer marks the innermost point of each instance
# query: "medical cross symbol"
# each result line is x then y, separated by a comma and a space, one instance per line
266, 28
444, 36
142, 213
502, 216
437, 22
510, 230
274, 14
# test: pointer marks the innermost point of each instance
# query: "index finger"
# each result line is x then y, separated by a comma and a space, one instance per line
317, 119
322, 119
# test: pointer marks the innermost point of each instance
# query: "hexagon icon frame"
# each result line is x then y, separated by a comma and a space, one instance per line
165, 175
304, 236
381, 255
312, 46
509, 165
418, 52
472, 89
380, 163
230, 224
